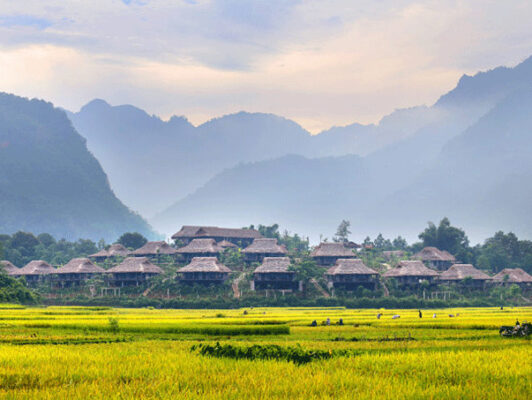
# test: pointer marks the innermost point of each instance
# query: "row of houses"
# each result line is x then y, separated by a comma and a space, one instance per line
273, 273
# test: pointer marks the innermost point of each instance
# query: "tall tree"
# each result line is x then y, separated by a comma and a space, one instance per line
132, 240
342, 232
447, 237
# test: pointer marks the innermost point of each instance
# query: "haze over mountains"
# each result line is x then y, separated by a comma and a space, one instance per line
416, 165
465, 157
49, 182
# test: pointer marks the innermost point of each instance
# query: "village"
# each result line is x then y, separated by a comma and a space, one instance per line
261, 265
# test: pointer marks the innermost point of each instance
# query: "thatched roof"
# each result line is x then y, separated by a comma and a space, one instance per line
410, 268
80, 266
205, 264
201, 246
332, 250
8, 267
265, 245
224, 244
457, 272
136, 264
114, 250
36, 267
154, 249
350, 266
189, 231
274, 264
434, 254
515, 275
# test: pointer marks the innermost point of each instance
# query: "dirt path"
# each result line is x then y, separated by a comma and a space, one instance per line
317, 286
236, 290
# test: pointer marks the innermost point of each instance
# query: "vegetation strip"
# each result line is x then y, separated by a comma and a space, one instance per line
297, 355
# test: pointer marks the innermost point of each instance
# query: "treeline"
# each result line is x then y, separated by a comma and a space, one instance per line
23, 247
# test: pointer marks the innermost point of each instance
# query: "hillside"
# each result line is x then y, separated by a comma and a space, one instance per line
49, 182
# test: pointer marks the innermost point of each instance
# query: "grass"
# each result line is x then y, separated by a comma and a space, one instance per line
105, 353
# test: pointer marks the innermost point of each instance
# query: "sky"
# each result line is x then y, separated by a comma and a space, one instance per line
320, 63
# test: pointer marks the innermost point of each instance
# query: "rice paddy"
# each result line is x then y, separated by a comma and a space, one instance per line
108, 353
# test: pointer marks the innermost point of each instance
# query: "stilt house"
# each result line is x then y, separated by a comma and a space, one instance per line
76, 272
200, 248
263, 247
510, 276
155, 250
435, 258
327, 253
133, 271
349, 274
8, 267
204, 270
35, 271
240, 237
115, 250
461, 273
274, 273
411, 273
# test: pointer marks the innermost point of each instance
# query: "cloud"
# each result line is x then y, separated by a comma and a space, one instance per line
11, 21
321, 63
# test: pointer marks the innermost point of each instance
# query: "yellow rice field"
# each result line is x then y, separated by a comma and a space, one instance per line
102, 353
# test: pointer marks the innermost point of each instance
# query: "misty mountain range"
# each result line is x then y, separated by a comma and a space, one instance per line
415, 165
465, 157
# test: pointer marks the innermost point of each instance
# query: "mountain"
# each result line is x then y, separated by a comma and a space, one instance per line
49, 182
469, 161
152, 163
301, 193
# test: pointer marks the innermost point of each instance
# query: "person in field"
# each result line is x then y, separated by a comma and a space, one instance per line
420, 314
379, 316
396, 316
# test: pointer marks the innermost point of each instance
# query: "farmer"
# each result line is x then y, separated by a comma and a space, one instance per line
328, 322
517, 323
340, 321
434, 315
314, 323
420, 314
379, 316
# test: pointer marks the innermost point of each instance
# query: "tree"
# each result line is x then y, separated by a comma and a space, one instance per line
25, 243
447, 237
399, 243
132, 240
46, 239
342, 232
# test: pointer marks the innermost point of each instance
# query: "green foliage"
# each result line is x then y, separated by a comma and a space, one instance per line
132, 240
306, 269
114, 324
342, 232
449, 238
13, 291
297, 355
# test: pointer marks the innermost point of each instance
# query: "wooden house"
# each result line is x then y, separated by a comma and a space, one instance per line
274, 273
349, 274
326, 254
76, 272
263, 247
513, 276
114, 251
240, 237
435, 258
35, 271
8, 267
204, 270
200, 248
460, 273
155, 250
133, 271
411, 273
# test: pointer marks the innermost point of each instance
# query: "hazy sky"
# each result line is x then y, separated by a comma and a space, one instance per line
321, 63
